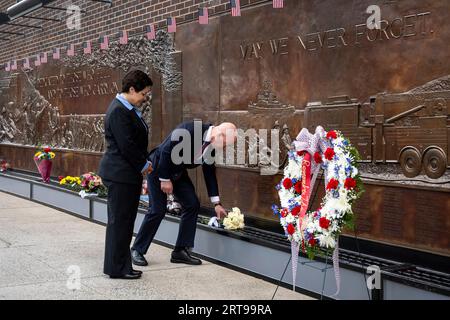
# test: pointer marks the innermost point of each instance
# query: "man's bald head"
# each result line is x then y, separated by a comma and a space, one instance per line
224, 134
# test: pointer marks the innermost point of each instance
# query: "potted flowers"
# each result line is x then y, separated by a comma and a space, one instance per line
43, 159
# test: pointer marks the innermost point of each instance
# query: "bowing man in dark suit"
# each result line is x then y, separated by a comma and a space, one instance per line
191, 144
122, 167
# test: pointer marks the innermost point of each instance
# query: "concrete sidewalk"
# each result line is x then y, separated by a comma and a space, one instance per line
41, 250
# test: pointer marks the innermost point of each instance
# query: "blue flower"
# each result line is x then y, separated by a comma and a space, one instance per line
348, 170
278, 187
336, 170
275, 209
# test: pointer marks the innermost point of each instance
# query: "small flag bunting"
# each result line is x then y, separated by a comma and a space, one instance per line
235, 8
123, 37
87, 48
26, 63
171, 25
44, 58
104, 43
56, 54
278, 4
203, 17
150, 32
37, 61
71, 50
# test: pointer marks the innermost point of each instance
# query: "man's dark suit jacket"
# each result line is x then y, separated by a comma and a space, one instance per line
165, 168
126, 145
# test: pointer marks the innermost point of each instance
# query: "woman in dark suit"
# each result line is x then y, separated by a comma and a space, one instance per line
122, 167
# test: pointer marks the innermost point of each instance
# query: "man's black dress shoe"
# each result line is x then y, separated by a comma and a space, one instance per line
130, 276
183, 256
138, 259
136, 272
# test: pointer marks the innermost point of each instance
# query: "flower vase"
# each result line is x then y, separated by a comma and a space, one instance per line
45, 167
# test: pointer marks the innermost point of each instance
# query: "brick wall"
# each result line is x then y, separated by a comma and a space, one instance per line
100, 19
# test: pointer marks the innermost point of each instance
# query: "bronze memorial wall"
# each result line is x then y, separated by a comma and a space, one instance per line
313, 63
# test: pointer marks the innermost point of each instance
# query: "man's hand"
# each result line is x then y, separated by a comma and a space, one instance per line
167, 187
220, 211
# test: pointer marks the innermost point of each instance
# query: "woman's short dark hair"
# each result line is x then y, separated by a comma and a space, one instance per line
137, 79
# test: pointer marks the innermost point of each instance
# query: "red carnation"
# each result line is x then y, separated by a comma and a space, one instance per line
300, 153
332, 184
298, 187
312, 242
329, 153
284, 212
331, 134
290, 229
350, 183
317, 157
47, 150
295, 211
324, 223
287, 183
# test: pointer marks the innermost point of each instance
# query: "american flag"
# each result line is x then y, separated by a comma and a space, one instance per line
44, 57
123, 37
14, 65
104, 43
203, 15
56, 53
171, 25
235, 8
26, 63
150, 32
278, 4
8, 66
71, 50
37, 62
87, 49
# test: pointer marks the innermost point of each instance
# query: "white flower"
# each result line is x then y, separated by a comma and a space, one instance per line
290, 218
326, 241
284, 195
236, 210
234, 220
293, 169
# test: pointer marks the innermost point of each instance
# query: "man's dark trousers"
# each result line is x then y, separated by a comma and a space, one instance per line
184, 191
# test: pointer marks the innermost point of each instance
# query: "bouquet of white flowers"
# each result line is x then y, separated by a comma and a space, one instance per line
234, 220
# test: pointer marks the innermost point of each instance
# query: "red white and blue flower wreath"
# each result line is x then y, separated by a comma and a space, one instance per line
312, 230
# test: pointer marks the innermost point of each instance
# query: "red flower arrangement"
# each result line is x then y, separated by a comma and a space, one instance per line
324, 223
349, 183
287, 183
332, 184
329, 154
290, 228
331, 134
317, 157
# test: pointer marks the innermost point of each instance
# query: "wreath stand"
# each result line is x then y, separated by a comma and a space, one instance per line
309, 263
